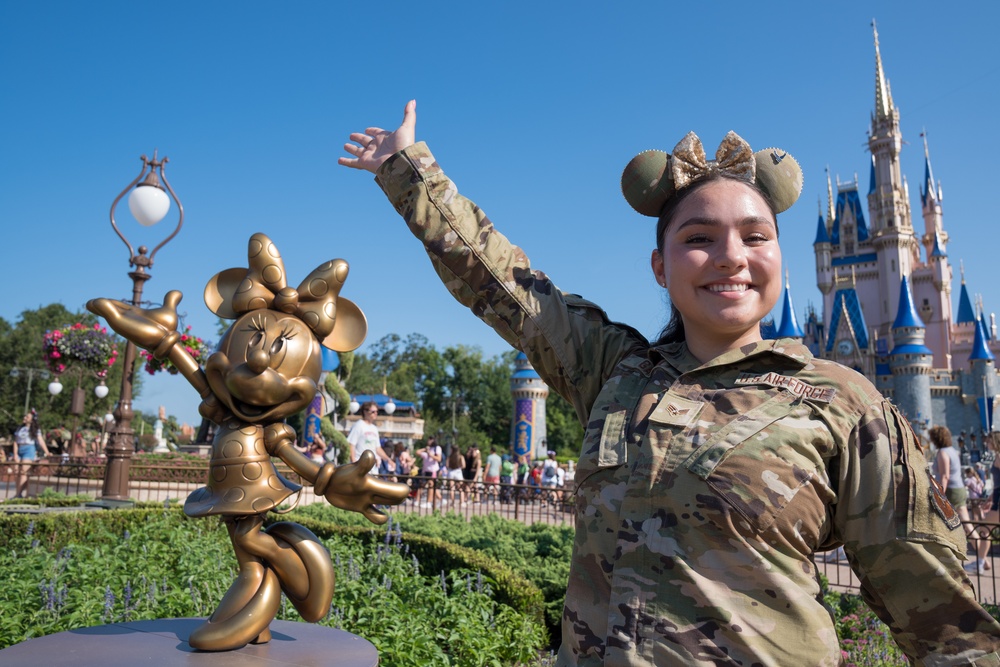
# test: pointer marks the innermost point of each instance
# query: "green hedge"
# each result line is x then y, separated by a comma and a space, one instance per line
437, 555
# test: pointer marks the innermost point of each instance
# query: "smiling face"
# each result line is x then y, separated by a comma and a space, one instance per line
267, 366
721, 264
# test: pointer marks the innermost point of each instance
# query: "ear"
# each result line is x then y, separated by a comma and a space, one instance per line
220, 290
656, 264
349, 329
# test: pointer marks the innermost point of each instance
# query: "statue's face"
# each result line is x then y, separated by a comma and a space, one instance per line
267, 366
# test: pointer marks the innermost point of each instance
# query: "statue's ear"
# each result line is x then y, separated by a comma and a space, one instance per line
349, 329
220, 290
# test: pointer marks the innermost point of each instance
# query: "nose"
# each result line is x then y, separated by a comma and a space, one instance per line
258, 360
732, 253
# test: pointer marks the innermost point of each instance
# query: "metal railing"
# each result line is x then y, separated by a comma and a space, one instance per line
158, 482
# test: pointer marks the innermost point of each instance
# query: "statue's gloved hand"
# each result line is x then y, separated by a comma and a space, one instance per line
154, 329
350, 487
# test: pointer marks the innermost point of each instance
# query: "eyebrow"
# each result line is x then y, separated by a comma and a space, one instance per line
714, 222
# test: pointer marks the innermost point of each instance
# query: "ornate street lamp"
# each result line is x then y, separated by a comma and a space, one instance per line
149, 204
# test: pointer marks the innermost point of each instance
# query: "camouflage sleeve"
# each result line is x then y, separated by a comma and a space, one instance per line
569, 341
906, 544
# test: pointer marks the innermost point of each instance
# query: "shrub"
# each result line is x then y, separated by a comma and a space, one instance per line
78, 569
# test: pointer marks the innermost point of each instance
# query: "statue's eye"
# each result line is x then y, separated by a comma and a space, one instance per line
257, 339
277, 345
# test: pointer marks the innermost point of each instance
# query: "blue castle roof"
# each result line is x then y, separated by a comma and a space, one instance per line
906, 316
822, 236
847, 299
849, 200
938, 252
965, 312
979, 347
871, 177
523, 369
789, 327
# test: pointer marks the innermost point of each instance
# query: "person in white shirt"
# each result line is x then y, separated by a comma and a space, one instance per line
364, 436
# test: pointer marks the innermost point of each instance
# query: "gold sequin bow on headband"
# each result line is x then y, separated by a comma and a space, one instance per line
653, 177
338, 323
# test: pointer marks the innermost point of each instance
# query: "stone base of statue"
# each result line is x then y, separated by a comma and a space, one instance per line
164, 642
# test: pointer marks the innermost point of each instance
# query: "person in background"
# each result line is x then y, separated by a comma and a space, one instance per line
522, 469
992, 442
364, 436
506, 478
28, 440
491, 471
430, 465
472, 471
948, 470
456, 476
715, 463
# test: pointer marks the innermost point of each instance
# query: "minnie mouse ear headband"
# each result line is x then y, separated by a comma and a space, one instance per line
653, 177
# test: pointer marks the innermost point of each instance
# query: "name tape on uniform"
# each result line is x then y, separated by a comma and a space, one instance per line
797, 387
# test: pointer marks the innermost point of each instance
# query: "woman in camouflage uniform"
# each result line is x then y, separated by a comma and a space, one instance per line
715, 463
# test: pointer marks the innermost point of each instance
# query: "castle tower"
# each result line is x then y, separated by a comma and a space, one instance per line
821, 246
930, 202
528, 434
910, 361
984, 377
888, 206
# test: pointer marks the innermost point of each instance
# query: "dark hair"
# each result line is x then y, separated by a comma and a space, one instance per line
455, 459
367, 405
32, 424
674, 331
940, 436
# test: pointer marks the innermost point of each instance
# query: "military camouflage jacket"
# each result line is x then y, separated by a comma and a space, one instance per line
704, 489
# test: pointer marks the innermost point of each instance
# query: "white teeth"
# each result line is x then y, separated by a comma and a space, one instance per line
728, 288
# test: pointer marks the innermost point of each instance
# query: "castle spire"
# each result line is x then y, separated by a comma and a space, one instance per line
928, 191
906, 315
830, 212
789, 327
883, 97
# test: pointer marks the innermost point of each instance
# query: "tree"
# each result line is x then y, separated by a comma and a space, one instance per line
21, 346
563, 427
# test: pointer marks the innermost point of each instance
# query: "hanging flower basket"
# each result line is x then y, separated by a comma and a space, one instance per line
196, 347
89, 346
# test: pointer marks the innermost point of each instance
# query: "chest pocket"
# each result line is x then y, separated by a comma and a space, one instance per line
760, 461
605, 442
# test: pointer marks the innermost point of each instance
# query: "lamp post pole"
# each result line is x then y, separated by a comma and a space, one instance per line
42, 373
149, 204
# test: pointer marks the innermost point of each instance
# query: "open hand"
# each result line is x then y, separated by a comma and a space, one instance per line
374, 146
145, 328
352, 488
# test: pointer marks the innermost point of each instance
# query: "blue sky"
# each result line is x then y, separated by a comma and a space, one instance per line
532, 108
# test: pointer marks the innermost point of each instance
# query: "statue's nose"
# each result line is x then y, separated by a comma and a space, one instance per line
258, 360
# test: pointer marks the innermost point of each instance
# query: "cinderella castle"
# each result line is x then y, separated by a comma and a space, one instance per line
887, 293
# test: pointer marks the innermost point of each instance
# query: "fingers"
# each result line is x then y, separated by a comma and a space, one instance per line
410, 115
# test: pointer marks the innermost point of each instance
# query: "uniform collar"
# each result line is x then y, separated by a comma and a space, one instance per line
678, 355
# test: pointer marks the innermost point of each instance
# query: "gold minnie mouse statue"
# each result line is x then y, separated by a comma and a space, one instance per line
266, 368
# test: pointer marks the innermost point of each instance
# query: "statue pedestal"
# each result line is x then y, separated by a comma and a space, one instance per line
164, 642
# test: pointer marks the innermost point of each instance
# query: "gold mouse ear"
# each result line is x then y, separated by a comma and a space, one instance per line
221, 289
780, 176
350, 328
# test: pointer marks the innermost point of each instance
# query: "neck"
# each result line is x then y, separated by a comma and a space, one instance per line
704, 348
